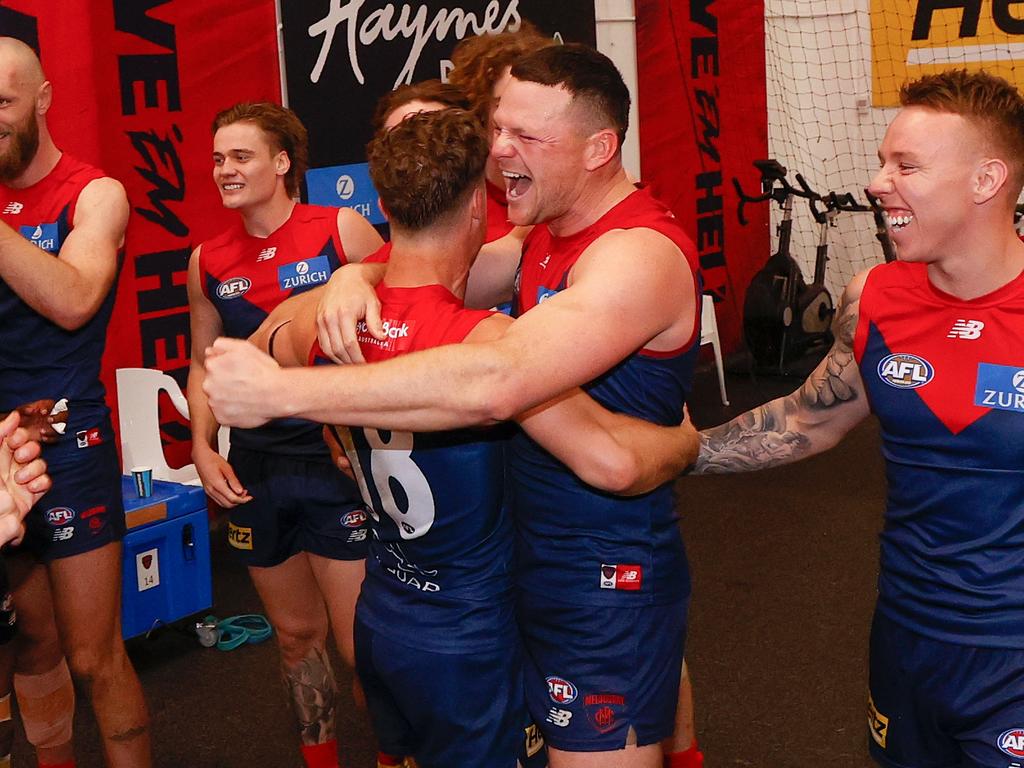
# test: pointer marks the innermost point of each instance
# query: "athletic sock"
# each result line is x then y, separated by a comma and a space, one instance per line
321, 755
384, 760
67, 764
691, 758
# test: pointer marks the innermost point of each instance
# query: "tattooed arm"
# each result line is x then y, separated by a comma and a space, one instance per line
810, 420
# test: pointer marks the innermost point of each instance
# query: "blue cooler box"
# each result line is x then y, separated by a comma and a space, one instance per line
166, 569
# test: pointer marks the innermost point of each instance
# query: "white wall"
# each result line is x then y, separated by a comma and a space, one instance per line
616, 39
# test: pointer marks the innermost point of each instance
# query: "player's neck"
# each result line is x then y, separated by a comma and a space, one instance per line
266, 218
993, 259
603, 190
429, 259
44, 161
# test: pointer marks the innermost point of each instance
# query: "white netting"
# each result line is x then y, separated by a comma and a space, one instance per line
834, 65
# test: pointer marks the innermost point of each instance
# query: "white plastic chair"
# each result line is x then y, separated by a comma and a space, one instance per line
709, 335
138, 392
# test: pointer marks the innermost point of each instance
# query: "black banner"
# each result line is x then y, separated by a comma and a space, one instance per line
342, 55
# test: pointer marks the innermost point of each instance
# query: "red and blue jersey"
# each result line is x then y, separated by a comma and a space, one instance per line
946, 380
439, 573
38, 358
498, 224
246, 277
574, 541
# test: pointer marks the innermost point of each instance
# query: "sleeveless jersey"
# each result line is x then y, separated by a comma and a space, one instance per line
946, 379
246, 277
439, 573
574, 542
38, 358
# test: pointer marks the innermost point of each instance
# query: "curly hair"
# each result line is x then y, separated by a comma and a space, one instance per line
989, 102
428, 90
480, 61
424, 167
283, 129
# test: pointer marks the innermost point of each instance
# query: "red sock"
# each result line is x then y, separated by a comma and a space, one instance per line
69, 764
321, 755
383, 758
691, 758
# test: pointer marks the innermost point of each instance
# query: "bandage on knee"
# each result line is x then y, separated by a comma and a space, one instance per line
5, 708
47, 706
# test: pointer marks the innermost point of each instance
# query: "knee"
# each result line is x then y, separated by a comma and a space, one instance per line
296, 639
91, 662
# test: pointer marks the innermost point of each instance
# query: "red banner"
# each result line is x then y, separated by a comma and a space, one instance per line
136, 86
703, 120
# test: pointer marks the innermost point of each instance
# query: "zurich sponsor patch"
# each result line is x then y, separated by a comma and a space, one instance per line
905, 371
60, 516
45, 236
300, 274
1000, 387
234, 288
544, 294
561, 690
1012, 742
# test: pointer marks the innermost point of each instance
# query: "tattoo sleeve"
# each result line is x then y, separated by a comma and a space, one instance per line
784, 430
314, 695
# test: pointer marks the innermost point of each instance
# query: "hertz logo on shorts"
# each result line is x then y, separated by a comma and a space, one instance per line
911, 38
878, 724
239, 537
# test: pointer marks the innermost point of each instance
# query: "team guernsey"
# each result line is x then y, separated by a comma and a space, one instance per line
246, 277
575, 542
946, 379
39, 359
498, 224
436, 615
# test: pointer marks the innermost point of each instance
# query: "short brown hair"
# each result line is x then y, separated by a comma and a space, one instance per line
589, 76
989, 102
425, 166
283, 129
479, 61
427, 90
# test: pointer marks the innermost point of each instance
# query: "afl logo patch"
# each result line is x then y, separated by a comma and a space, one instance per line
234, 287
60, 516
354, 519
1012, 742
905, 371
561, 691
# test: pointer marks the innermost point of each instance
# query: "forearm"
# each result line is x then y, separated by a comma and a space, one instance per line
202, 422
757, 439
44, 282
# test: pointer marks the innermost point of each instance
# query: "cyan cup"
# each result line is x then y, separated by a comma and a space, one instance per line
143, 477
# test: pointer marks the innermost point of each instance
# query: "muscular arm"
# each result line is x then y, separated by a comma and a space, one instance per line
219, 480
613, 307
812, 419
492, 276
85, 267
357, 235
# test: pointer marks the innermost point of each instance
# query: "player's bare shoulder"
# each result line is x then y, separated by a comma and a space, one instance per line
103, 204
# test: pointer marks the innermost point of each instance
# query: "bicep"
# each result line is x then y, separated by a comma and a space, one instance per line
492, 275
101, 216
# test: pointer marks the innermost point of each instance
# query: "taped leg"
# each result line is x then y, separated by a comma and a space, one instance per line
47, 705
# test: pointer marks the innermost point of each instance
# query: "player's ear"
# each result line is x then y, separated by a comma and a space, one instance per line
380, 204
989, 178
44, 96
601, 148
282, 163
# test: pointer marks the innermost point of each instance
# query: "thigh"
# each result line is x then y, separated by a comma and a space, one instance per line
449, 710
340, 582
599, 678
83, 509
907, 721
87, 600
291, 598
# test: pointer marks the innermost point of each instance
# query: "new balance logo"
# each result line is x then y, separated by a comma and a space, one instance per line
13, 208
966, 329
267, 254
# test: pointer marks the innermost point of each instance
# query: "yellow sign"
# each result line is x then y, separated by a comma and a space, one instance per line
911, 38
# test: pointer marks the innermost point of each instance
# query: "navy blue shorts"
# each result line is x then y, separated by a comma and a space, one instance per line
594, 673
83, 510
939, 705
447, 710
297, 506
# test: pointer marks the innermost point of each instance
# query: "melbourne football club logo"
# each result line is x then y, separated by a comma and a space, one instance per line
234, 288
1012, 742
561, 690
904, 371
